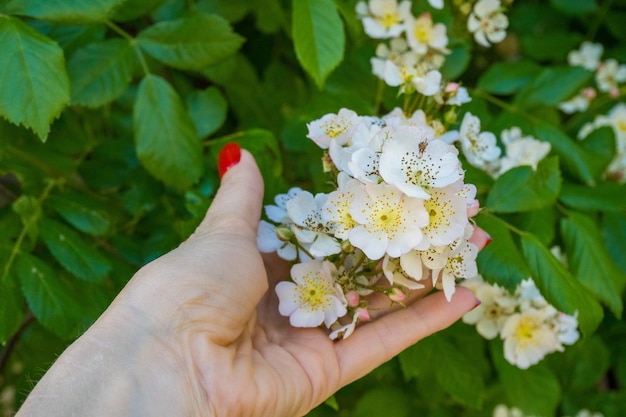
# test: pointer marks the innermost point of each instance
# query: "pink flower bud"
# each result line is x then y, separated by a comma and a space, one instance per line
426, 15
362, 314
589, 93
451, 87
614, 92
396, 295
353, 298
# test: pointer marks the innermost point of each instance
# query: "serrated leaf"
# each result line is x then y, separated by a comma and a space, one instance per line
51, 297
535, 390
501, 262
524, 189
559, 287
73, 252
192, 42
100, 72
591, 262
508, 77
77, 11
11, 310
165, 137
35, 64
458, 377
607, 197
318, 37
207, 110
84, 213
569, 152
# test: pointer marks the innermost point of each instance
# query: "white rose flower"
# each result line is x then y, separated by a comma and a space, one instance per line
588, 56
487, 23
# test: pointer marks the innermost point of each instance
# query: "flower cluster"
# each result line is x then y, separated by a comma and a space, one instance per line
399, 213
530, 327
417, 45
608, 76
616, 119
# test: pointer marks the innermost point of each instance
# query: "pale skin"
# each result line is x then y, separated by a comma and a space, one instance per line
197, 332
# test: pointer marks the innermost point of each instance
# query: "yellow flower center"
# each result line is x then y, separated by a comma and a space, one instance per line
389, 20
526, 329
315, 292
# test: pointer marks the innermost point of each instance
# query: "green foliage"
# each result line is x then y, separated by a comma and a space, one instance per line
113, 113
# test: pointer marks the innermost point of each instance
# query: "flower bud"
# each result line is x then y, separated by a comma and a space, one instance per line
362, 314
327, 163
450, 116
353, 298
347, 247
284, 233
395, 294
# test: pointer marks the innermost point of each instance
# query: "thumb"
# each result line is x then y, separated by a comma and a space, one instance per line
236, 207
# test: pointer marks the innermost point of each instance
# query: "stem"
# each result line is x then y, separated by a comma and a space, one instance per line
593, 28
8, 349
142, 60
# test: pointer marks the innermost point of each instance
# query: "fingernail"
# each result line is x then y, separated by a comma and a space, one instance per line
229, 156
477, 303
488, 240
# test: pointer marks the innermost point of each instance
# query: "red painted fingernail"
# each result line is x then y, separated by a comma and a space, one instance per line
477, 303
229, 156
488, 241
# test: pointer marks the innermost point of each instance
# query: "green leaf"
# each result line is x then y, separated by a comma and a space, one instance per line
35, 64
591, 262
575, 7
51, 297
614, 232
540, 222
599, 150
523, 189
233, 11
552, 45
207, 110
132, 9
508, 77
569, 152
318, 37
615, 22
559, 287
11, 310
382, 401
458, 377
192, 42
73, 252
78, 11
501, 261
535, 390
165, 137
84, 213
100, 72
553, 86
457, 61
607, 197
29, 210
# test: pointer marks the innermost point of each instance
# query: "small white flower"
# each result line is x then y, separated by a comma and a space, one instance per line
422, 34
388, 221
502, 410
521, 150
415, 163
609, 75
336, 210
479, 148
460, 97
396, 275
447, 210
567, 328
313, 298
333, 127
487, 23
588, 56
496, 306
528, 337
341, 155
437, 4
427, 84
383, 18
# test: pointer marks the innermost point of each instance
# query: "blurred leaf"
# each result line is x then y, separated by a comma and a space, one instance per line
608, 197
420, 358
459, 377
457, 61
501, 262
73, 252
207, 110
270, 15
615, 22
100, 72
552, 45
29, 210
553, 86
569, 151
591, 262
35, 63
318, 37
536, 390
192, 42
508, 77
231, 10
78, 11
72, 37
614, 232
51, 297
382, 401
523, 189
559, 287
132, 9
11, 310
165, 137
599, 150
575, 7
87, 214
586, 365
540, 223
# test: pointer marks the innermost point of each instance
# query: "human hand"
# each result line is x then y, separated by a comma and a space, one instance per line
197, 331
